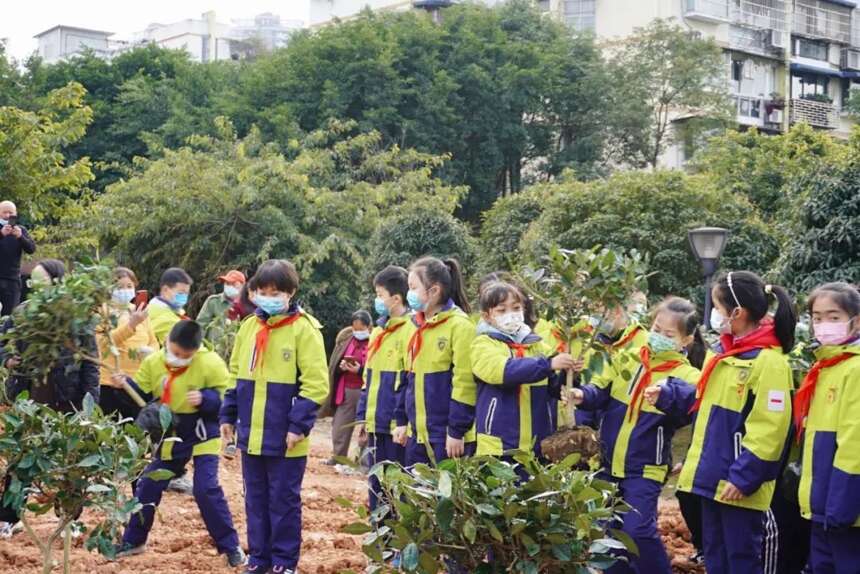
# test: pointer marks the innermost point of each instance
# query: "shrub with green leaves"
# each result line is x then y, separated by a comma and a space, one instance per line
71, 462
480, 514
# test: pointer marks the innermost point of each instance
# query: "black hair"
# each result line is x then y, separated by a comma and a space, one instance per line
55, 269
496, 293
187, 334
750, 292
395, 280
688, 324
277, 273
125, 272
529, 312
846, 296
245, 297
447, 275
174, 276
362, 316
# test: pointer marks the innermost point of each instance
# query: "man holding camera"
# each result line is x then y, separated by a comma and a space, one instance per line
14, 241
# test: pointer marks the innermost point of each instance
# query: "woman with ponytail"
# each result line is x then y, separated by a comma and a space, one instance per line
743, 415
636, 437
828, 424
439, 402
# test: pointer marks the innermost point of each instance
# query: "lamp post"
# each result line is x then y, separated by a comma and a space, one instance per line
708, 244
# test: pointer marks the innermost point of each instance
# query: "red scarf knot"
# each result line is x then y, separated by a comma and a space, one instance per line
262, 339
376, 344
645, 380
417, 339
172, 374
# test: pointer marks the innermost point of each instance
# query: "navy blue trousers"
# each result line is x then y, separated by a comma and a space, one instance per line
640, 523
207, 493
381, 449
732, 538
273, 507
834, 551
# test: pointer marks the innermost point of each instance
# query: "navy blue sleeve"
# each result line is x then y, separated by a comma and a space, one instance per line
676, 398
361, 410
525, 370
302, 416
843, 505
27, 243
229, 411
594, 398
461, 417
400, 408
211, 404
749, 472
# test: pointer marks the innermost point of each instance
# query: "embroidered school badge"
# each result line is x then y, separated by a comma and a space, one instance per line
831, 395
441, 343
287, 353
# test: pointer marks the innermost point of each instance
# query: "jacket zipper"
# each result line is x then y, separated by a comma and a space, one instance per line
659, 446
491, 412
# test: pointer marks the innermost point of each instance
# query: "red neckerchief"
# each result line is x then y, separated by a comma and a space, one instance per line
377, 342
803, 397
172, 374
761, 338
645, 380
626, 338
561, 346
518, 348
262, 340
417, 339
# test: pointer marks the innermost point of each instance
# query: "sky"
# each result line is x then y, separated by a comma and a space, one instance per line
21, 20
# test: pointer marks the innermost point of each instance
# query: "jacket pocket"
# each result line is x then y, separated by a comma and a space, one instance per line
491, 413
738, 439
660, 441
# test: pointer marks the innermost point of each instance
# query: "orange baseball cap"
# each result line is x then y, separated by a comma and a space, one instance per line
232, 276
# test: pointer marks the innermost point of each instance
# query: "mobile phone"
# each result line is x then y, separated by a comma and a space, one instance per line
350, 359
13, 221
141, 298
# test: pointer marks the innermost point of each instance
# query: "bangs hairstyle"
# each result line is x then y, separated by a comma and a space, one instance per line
187, 334
494, 294
844, 295
277, 273
173, 276
125, 273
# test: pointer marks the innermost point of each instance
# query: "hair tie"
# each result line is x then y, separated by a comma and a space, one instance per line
768, 289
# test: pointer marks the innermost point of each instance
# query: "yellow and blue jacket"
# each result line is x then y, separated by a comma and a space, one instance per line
830, 480
514, 410
439, 399
283, 391
162, 317
197, 427
384, 374
638, 446
741, 429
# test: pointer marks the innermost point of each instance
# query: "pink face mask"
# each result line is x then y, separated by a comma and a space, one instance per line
832, 333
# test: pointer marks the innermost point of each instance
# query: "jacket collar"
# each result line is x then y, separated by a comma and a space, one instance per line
527, 338
291, 310
829, 351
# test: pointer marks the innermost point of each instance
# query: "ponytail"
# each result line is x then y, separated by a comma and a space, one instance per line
697, 350
447, 275
746, 289
457, 291
688, 324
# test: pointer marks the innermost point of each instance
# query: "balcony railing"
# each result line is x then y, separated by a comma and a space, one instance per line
816, 114
710, 10
764, 14
819, 19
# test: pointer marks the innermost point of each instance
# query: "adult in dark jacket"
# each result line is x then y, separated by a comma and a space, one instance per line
67, 384
346, 370
14, 242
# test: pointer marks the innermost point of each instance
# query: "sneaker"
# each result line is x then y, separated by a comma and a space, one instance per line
236, 558
283, 570
255, 569
698, 558
330, 462
182, 485
10, 529
126, 549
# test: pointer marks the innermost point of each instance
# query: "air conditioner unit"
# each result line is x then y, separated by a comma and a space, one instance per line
851, 59
777, 39
775, 117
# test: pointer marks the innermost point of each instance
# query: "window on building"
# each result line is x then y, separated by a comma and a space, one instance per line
809, 86
579, 14
737, 70
810, 49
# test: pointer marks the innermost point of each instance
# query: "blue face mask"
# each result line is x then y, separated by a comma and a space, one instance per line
380, 308
414, 302
661, 343
122, 296
180, 300
271, 305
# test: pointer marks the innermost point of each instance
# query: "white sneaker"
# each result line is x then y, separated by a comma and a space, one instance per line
10, 529
182, 485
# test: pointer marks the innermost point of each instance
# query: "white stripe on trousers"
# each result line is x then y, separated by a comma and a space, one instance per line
770, 547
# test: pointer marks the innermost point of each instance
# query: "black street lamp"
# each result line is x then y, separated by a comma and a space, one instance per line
708, 244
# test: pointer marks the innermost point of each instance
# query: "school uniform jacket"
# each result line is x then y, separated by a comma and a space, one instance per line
283, 392
197, 427
830, 481
742, 427
384, 375
514, 410
440, 395
162, 318
637, 447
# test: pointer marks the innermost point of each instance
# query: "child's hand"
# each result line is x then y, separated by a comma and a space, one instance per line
117, 380
227, 431
731, 493
194, 398
455, 447
399, 436
362, 437
578, 365
652, 394
293, 439
562, 362
576, 396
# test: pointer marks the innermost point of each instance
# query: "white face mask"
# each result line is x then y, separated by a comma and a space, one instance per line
510, 323
361, 335
123, 296
174, 361
719, 323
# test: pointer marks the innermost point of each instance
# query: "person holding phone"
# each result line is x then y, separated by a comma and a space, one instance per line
123, 348
346, 368
14, 242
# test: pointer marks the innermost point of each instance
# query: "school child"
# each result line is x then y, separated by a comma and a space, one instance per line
168, 308
636, 437
514, 410
743, 415
191, 381
281, 378
439, 400
385, 372
828, 424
